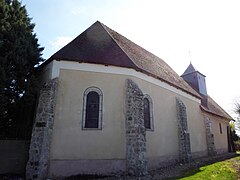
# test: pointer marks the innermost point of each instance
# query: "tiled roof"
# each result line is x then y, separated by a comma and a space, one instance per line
213, 108
101, 45
94, 45
150, 64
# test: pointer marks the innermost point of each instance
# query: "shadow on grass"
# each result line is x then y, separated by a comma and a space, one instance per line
190, 172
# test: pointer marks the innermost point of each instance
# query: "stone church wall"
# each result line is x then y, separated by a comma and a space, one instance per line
69, 139
104, 151
220, 139
165, 125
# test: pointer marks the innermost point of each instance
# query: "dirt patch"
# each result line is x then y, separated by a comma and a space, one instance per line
236, 166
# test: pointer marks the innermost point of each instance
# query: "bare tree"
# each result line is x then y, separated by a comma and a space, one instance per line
237, 111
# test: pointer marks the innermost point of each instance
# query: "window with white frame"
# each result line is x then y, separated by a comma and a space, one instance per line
148, 112
92, 108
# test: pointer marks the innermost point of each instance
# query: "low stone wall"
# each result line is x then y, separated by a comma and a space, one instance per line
222, 151
199, 154
63, 168
13, 156
162, 161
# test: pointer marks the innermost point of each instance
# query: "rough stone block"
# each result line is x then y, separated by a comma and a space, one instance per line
135, 131
183, 135
41, 135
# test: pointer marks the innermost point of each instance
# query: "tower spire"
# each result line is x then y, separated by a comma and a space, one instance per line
195, 79
189, 55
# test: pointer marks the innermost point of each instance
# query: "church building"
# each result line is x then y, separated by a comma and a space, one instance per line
108, 106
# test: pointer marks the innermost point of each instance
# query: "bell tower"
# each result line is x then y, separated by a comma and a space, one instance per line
197, 81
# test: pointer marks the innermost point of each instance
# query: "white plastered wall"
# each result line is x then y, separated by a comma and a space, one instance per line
220, 139
71, 142
46, 73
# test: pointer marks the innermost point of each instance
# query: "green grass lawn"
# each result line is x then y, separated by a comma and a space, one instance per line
228, 169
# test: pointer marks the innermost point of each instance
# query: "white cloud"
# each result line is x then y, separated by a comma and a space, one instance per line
78, 11
59, 42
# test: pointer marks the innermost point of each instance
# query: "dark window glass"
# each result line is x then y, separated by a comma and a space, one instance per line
220, 128
146, 114
92, 110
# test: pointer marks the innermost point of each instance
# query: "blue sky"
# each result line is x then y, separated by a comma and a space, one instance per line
208, 29
58, 22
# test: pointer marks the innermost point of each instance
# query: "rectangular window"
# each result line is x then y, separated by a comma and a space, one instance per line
220, 128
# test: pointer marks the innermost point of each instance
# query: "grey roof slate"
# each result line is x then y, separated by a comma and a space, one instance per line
189, 70
213, 108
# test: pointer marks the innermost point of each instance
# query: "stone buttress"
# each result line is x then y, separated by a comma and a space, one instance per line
210, 138
183, 134
39, 153
136, 161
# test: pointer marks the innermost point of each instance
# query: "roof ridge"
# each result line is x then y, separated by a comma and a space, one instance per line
219, 106
104, 26
211, 112
153, 55
112, 48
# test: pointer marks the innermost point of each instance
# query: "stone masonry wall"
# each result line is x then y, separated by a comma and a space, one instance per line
183, 134
37, 166
135, 131
210, 138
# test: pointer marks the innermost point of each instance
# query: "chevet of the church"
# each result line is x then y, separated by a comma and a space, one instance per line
108, 106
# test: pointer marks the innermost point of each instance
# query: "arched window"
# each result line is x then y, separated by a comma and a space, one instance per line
92, 108
148, 112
